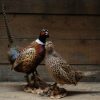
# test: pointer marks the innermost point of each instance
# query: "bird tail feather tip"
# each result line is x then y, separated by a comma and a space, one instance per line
79, 76
89, 73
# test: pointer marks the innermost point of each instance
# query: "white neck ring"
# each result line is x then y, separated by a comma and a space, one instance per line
39, 42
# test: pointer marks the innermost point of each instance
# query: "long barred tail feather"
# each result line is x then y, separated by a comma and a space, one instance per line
6, 25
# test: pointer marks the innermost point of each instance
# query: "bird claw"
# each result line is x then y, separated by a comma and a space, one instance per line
34, 91
55, 93
44, 92
58, 96
36, 86
28, 89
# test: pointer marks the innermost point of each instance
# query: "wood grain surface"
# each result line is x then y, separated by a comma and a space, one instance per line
53, 6
76, 38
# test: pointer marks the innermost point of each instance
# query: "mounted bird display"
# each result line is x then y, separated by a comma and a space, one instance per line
31, 56
13, 51
59, 69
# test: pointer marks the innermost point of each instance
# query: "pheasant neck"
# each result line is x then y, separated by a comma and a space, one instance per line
42, 39
39, 41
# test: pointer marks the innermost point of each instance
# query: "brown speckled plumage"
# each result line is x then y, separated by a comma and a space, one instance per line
31, 56
59, 69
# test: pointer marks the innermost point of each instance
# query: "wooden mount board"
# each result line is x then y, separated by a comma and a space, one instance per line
60, 27
74, 51
7, 75
53, 6
77, 38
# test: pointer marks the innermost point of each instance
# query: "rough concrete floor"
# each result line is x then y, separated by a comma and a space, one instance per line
83, 91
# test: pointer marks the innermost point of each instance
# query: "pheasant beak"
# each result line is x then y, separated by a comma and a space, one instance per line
47, 35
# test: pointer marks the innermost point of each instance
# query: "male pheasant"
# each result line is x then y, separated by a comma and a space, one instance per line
60, 71
31, 56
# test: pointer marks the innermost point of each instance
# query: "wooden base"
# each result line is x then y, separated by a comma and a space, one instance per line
37, 86
55, 93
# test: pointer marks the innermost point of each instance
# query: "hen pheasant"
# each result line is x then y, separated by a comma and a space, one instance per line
60, 71
31, 56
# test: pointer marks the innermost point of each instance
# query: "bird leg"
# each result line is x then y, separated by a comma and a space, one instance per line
54, 85
52, 89
27, 80
28, 87
36, 72
35, 80
38, 85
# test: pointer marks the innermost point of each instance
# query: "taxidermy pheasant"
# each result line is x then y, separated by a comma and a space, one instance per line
13, 51
31, 56
60, 71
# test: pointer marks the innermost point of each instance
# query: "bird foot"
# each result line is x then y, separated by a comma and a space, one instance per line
28, 89
34, 91
39, 83
37, 91
56, 93
58, 96
37, 86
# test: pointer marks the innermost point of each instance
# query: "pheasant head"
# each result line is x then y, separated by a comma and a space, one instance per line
49, 47
43, 36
